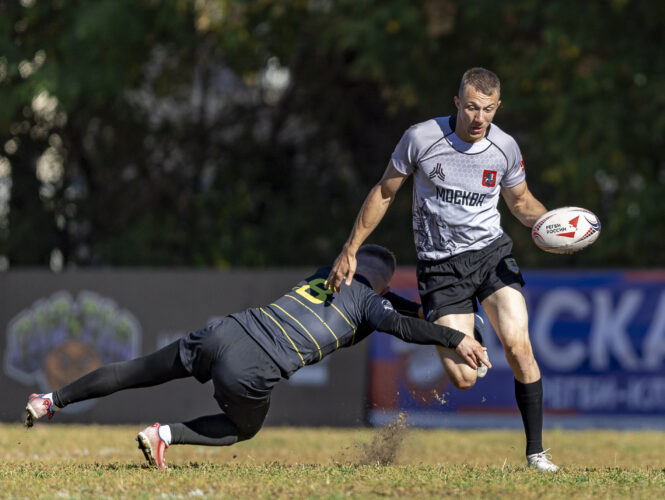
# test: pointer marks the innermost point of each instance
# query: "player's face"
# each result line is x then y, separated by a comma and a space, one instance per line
475, 112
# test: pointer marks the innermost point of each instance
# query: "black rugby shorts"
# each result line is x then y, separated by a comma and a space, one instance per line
456, 284
242, 373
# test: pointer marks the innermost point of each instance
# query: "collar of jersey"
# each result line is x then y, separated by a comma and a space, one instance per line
463, 146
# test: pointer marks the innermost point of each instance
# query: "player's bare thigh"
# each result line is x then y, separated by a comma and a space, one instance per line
461, 375
506, 310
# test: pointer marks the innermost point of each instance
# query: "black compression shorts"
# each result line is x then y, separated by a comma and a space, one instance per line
241, 371
453, 285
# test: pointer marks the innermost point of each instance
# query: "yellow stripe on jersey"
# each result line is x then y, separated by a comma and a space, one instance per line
287, 335
342, 315
303, 327
320, 318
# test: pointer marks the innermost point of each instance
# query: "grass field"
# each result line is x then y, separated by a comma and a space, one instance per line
85, 461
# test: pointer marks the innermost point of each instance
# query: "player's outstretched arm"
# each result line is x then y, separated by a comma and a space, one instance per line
418, 331
522, 204
404, 306
374, 208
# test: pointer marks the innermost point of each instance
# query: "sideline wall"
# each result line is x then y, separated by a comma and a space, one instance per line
598, 336
56, 327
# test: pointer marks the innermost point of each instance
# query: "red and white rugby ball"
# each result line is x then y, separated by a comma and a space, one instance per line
565, 230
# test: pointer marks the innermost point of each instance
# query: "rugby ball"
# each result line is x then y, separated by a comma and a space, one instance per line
565, 230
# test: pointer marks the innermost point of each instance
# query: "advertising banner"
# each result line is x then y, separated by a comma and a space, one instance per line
598, 337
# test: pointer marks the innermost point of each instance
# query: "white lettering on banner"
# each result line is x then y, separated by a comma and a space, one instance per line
609, 317
608, 332
558, 301
646, 393
654, 341
595, 393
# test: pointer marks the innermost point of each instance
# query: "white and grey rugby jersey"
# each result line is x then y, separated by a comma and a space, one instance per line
456, 185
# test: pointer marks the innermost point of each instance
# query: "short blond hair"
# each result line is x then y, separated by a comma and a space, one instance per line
482, 80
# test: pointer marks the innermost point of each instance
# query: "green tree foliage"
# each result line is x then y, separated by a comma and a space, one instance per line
221, 132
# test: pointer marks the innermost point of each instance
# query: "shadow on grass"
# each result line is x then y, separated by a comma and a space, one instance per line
136, 466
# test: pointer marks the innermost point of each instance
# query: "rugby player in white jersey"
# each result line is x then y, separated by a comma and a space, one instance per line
460, 165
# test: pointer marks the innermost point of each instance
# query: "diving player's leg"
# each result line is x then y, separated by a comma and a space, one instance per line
154, 369
506, 310
460, 373
210, 430
241, 423
243, 381
243, 376
157, 368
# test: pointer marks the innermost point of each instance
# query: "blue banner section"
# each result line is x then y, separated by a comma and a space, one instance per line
598, 337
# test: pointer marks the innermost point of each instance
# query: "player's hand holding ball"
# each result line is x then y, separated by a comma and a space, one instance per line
565, 230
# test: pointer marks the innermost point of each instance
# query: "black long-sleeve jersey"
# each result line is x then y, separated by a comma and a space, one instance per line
309, 322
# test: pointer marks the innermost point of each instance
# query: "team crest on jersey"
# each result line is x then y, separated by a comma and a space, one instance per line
489, 178
522, 164
511, 264
437, 172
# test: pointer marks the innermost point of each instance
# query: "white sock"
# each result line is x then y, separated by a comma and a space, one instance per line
49, 396
164, 432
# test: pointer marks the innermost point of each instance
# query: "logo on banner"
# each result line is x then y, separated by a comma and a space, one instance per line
58, 339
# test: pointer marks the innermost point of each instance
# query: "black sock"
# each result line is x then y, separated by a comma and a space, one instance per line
530, 402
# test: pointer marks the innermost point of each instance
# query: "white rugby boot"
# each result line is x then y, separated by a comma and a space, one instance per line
542, 461
478, 329
153, 446
38, 406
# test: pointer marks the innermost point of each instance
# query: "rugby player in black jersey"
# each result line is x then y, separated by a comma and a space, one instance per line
245, 354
